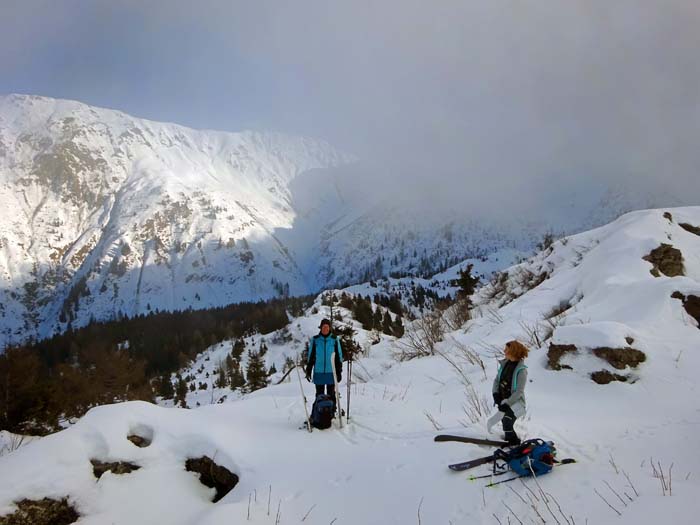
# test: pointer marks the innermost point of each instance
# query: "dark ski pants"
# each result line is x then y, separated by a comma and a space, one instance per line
508, 422
330, 390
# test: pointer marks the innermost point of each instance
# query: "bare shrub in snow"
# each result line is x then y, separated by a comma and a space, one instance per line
476, 407
666, 480
495, 316
432, 420
505, 287
525, 279
497, 288
420, 338
467, 356
457, 314
492, 351
537, 333
534, 509
14, 442
463, 361
559, 309
546, 242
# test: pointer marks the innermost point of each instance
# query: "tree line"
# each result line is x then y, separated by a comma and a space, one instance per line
44, 383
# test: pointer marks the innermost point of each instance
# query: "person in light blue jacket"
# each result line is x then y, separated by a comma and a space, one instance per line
509, 388
321, 347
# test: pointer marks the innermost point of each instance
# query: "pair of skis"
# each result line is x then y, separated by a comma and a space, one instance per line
466, 465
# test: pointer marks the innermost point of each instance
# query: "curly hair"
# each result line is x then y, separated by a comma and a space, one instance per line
517, 349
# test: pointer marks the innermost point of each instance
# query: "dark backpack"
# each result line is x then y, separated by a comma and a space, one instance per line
534, 456
322, 411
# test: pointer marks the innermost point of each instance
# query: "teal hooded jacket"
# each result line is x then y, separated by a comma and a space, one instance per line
321, 350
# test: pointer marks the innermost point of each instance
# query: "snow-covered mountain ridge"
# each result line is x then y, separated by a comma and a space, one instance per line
107, 214
606, 288
104, 214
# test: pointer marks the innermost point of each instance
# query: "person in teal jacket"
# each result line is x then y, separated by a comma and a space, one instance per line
321, 348
509, 388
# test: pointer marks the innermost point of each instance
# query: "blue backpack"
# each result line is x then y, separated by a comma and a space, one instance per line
322, 411
534, 456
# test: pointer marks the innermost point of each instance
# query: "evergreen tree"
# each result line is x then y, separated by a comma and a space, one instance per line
236, 379
466, 282
127, 358
387, 327
288, 364
346, 301
362, 312
377, 319
349, 346
398, 328
238, 349
181, 392
221, 376
165, 388
395, 304
256, 376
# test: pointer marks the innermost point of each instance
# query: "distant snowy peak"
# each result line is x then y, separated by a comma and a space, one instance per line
108, 214
36, 125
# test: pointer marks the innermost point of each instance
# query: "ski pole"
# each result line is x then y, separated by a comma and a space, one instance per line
474, 478
337, 393
303, 397
347, 412
503, 481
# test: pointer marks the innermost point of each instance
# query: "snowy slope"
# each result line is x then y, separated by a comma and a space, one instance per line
384, 466
440, 283
291, 342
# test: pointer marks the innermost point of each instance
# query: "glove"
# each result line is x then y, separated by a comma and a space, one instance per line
497, 398
340, 377
308, 376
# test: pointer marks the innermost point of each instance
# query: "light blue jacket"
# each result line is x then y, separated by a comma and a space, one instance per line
319, 356
516, 401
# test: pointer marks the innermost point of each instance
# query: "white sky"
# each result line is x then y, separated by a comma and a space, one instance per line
503, 99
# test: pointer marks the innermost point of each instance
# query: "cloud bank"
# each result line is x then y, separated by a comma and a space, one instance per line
488, 104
